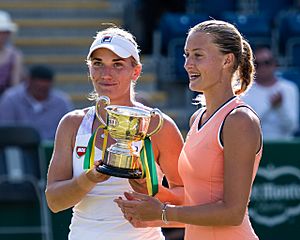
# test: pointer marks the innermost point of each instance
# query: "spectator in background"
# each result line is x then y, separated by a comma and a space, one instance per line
11, 63
275, 100
35, 103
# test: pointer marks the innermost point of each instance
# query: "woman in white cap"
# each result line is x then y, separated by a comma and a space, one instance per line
114, 67
11, 63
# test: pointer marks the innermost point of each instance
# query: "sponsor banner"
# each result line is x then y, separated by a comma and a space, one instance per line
275, 199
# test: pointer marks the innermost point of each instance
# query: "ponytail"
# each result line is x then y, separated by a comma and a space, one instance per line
246, 69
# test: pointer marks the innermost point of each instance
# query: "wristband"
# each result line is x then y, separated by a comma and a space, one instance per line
164, 214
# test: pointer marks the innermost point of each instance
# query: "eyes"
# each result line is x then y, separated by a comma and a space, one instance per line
100, 64
194, 54
95, 63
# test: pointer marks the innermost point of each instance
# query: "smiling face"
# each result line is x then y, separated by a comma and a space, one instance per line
112, 75
204, 62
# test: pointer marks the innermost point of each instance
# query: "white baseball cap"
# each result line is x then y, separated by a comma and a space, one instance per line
6, 23
118, 44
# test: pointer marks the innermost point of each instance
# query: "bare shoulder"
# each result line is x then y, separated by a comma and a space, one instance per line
243, 117
242, 124
169, 138
169, 126
69, 124
167, 145
73, 118
61, 163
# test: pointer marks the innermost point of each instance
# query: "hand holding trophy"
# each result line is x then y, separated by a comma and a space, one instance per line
128, 125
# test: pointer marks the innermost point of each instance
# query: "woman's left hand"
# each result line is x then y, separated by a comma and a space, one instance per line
139, 185
139, 207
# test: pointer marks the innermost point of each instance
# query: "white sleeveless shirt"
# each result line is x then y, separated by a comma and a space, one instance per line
96, 216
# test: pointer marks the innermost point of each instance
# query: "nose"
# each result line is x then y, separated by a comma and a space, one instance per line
105, 71
188, 63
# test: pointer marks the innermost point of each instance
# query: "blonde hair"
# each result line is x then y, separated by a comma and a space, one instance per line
114, 30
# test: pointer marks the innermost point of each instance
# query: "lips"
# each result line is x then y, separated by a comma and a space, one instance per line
103, 84
194, 76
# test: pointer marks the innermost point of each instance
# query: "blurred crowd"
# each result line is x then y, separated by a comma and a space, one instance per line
27, 94
272, 31
275, 98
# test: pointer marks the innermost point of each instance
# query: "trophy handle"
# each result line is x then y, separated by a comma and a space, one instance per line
153, 112
106, 101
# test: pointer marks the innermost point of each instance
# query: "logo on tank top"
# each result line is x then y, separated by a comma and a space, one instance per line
80, 151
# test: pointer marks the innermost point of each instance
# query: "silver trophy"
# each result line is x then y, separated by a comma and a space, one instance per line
126, 125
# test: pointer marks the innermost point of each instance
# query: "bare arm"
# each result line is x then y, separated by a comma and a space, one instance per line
63, 190
241, 137
167, 145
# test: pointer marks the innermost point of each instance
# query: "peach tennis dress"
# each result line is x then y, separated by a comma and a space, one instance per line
201, 166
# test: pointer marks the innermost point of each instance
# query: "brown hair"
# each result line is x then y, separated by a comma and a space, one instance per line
229, 40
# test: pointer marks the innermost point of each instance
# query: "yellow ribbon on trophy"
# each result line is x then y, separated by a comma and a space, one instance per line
146, 155
149, 167
89, 157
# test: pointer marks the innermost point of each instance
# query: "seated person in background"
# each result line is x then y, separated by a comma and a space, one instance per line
35, 103
11, 60
275, 100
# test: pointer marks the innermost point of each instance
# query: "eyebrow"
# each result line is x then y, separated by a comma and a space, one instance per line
114, 60
195, 49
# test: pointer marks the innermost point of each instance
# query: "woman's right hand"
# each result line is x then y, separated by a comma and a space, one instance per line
94, 176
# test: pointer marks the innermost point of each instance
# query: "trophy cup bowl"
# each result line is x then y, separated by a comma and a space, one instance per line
126, 125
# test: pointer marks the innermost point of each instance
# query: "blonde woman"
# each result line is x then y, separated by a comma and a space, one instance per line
221, 155
114, 67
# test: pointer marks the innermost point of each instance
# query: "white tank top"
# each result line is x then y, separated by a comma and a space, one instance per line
96, 216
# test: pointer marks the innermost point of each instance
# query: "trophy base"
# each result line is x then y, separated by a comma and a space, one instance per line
120, 172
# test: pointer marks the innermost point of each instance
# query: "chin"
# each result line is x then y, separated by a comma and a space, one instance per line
106, 92
193, 88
